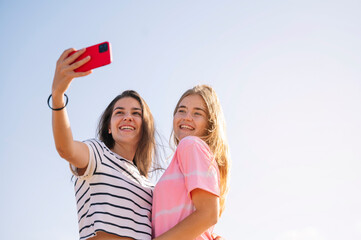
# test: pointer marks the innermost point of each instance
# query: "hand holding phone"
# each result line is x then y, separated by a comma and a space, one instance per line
73, 64
100, 55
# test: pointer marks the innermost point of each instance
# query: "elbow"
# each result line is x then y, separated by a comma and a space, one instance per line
63, 153
214, 213
214, 217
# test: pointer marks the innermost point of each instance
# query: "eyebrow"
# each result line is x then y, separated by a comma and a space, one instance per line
122, 108
197, 108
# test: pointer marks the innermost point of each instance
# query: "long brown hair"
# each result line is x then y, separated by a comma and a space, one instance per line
215, 136
146, 147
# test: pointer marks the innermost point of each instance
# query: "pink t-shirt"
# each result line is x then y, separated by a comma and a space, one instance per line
192, 166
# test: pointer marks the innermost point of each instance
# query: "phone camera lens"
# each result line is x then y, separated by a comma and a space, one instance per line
103, 47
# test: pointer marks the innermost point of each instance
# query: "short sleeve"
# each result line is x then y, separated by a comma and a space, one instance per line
91, 165
198, 166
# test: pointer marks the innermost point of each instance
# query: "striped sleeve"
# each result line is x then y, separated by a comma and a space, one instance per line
92, 164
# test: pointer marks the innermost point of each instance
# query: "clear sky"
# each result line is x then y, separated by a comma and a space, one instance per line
287, 74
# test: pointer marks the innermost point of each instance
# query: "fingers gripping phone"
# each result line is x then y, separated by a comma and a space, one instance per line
100, 55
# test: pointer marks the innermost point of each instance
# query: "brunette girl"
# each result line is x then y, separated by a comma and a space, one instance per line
113, 195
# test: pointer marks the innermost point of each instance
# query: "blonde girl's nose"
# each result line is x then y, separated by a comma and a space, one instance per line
187, 116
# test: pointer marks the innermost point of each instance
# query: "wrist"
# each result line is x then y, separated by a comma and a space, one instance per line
57, 93
58, 102
57, 99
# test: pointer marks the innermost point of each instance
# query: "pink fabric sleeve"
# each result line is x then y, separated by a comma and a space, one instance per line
198, 166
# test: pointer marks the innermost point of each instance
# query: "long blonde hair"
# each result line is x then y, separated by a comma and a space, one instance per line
215, 136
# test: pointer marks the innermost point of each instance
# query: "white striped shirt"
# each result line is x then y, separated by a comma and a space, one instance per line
112, 196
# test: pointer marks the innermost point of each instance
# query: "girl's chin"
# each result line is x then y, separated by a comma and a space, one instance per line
181, 136
128, 139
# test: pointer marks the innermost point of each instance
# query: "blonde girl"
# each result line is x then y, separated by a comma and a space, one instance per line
190, 196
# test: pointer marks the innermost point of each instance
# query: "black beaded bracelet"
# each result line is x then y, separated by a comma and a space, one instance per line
58, 109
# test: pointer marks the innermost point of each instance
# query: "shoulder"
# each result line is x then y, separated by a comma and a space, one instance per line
92, 140
192, 142
194, 146
95, 144
194, 154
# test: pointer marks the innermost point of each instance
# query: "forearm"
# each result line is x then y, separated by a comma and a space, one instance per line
73, 151
191, 227
63, 137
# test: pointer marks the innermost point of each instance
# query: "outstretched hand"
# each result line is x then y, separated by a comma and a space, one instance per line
64, 72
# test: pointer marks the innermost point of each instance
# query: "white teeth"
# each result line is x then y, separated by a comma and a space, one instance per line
187, 127
127, 127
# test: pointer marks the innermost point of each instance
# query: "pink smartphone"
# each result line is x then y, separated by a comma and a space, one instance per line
100, 55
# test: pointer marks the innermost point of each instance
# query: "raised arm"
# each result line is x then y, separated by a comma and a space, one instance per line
74, 152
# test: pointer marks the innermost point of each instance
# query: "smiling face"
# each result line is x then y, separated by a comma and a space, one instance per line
126, 122
191, 117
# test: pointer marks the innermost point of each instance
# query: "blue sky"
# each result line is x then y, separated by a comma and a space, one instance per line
287, 74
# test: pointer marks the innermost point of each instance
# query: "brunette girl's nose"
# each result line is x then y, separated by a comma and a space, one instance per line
127, 117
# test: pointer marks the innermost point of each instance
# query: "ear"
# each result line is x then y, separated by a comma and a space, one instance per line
109, 131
